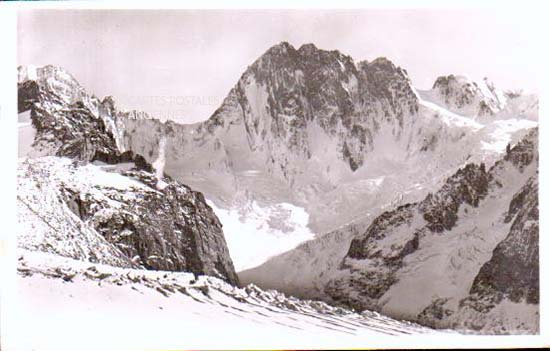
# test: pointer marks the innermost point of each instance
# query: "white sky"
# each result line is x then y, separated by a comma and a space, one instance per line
193, 58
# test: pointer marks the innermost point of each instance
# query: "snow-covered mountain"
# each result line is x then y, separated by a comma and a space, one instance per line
337, 138
103, 230
67, 120
311, 145
465, 257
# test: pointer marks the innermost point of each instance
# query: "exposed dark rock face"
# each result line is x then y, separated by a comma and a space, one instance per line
468, 185
380, 227
524, 152
439, 211
383, 81
75, 133
28, 93
159, 225
170, 229
510, 276
312, 86
435, 214
461, 94
513, 270
67, 120
436, 311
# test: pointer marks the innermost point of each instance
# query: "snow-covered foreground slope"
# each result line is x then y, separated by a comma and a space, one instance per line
67, 304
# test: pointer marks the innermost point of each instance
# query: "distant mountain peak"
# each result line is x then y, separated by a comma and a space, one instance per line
463, 94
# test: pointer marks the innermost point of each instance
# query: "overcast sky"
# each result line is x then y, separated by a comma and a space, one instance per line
193, 58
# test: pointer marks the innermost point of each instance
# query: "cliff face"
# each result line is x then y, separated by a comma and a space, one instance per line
68, 121
288, 92
119, 215
513, 270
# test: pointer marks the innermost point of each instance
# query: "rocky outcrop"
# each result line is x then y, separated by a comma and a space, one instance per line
160, 224
504, 296
68, 121
513, 270
169, 229
156, 224
469, 185
73, 132
397, 233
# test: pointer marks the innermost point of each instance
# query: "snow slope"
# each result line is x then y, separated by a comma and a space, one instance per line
26, 134
66, 304
306, 270
267, 231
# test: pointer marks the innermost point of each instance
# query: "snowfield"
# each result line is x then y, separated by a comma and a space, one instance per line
99, 307
267, 231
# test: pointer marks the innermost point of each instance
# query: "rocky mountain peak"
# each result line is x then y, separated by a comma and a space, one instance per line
307, 48
44, 73
465, 95
287, 91
281, 48
68, 121
381, 63
53, 79
109, 101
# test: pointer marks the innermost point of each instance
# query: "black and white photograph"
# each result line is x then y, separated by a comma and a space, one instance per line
302, 178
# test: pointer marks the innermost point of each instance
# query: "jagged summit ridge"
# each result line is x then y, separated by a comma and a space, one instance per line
287, 92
